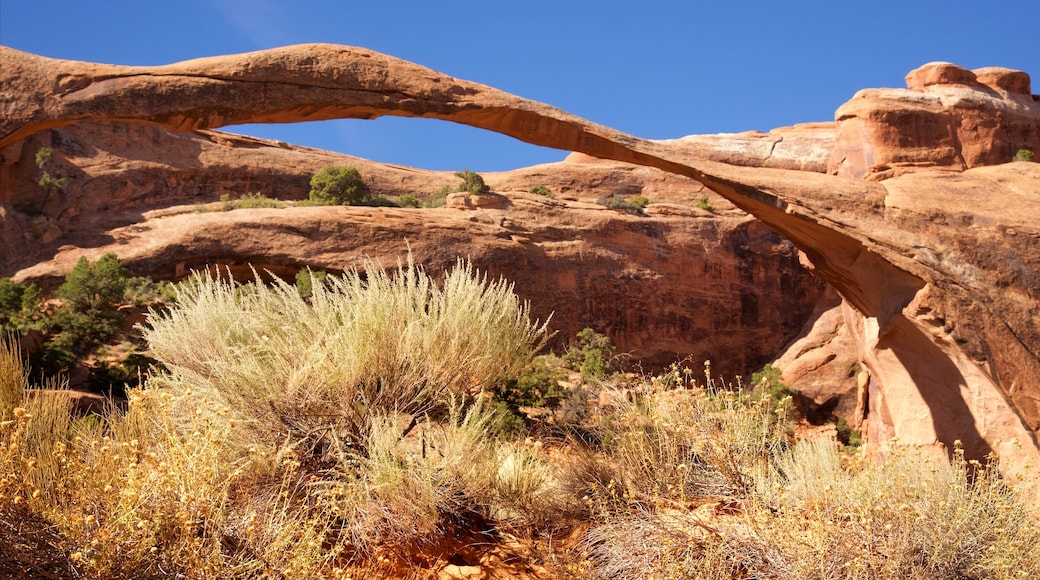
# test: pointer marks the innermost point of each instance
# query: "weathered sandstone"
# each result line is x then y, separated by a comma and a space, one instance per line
939, 268
947, 117
677, 282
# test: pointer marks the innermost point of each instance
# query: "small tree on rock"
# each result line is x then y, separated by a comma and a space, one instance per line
472, 182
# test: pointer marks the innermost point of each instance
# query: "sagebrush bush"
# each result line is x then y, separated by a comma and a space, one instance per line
620, 203
792, 511
363, 345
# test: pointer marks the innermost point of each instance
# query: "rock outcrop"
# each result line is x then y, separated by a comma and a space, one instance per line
676, 282
947, 117
940, 268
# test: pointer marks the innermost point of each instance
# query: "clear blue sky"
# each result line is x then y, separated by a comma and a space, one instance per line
652, 68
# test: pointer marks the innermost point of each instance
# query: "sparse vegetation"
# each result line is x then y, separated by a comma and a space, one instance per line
620, 203
50, 178
471, 182
408, 200
542, 190
705, 204
592, 354
338, 186
292, 437
850, 438
306, 279
640, 201
1023, 155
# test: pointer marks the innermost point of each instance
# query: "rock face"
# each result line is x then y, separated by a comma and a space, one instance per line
805, 147
937, 268
673, 283
946, 117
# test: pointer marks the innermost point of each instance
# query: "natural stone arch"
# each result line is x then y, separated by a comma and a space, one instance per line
840, 224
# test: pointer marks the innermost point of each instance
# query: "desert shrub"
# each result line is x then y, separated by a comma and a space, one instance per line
640, 201
791, 511
910, 515
591, 355
306, 279
364, 344
704, 203
535, 385
379, 201
253, 200
471, 182
408, 200
769, 382
439, 197
337, 186
541, 190
682, 445
620, 203
1023, 155
141, 290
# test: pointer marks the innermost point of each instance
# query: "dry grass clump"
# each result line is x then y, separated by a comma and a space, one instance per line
364, 344
295, 439
12, 377
706, 485
285, 438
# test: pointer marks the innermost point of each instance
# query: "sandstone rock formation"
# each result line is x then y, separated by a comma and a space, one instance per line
662, 285
947, 117
939, 268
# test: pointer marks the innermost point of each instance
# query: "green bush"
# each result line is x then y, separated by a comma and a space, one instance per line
536, 385
91, 295
471, 182
19, 305
306, 279
338, 186
640, 201
704, 203
408, 200
850, 438
1023, 155
140, 291
769, 385
379, 201
591, 355
541, 190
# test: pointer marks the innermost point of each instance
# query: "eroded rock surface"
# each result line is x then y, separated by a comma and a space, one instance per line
947, 116
676, 282
942, 286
